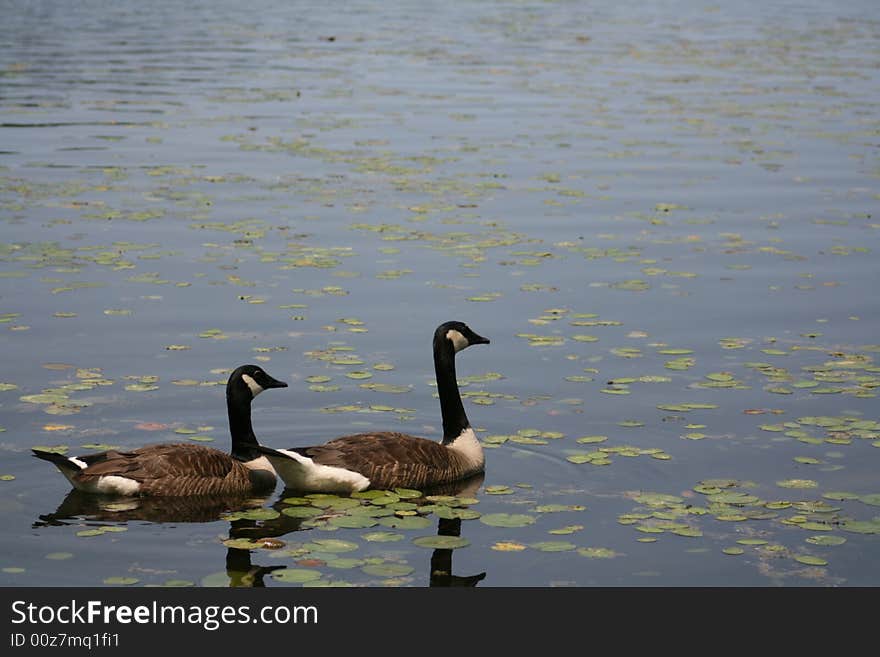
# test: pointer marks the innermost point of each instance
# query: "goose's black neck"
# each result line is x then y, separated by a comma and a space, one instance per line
451, 409
238, 406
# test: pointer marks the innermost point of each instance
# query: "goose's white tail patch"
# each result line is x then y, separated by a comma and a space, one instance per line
115, 485
255, 387
301, 472
469, 447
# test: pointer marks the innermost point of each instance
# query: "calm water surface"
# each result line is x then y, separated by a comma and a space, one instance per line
665, 218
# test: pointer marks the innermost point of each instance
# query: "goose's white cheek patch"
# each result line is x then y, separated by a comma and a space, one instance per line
255, 387
459, 342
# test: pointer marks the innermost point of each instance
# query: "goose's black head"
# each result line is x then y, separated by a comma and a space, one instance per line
458, 334
248, 381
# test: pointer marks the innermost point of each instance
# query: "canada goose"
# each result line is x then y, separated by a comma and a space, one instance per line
389, 459
183, 469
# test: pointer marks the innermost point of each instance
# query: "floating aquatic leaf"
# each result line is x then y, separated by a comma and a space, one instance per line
387, 569
555, 508
441, 542
499, 490
301, 511
353, 522
733, 550
407, 493
553, 546
507, 519
797, 483
90, 532
810, 560
508, 546
296, 575
597, 553
59, 556
7, 477
838, 495
873, 499
331, 545
733, 497
826, 539
382, 537
692, 532
124, 581
407, 522
252, 514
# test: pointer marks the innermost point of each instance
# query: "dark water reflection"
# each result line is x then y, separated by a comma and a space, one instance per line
79, 509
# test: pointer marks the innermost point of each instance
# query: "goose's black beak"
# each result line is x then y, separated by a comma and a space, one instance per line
478, 339
273, 383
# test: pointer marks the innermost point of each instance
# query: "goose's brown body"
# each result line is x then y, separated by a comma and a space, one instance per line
176, 469
391, 460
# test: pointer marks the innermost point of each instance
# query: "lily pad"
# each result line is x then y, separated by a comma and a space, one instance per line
407, 522
507, 519
810, 560
383, 537
826, 539
553, 546
597, 553
441, 542
296, 575
388, 569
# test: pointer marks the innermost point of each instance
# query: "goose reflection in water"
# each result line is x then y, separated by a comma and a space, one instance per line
78, 508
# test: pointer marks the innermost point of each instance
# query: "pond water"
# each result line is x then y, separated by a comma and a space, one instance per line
665, 217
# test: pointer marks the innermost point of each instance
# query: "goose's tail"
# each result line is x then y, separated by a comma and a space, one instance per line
300, 472
66, 464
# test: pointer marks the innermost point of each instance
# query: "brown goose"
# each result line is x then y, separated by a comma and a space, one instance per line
183, 469
388, 459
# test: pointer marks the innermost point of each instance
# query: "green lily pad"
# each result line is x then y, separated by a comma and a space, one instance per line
826, 539
499, 490
733, 497
388, 569
597, 553
125, 581
507, 519
252, 514
331, 545
873, 499
353, 521
296, 575
90, 532
383, 537
810, 560
59, 556
441, 542
345, 563
556, 508
553, 546
407, 522
797, 483
302, 511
